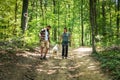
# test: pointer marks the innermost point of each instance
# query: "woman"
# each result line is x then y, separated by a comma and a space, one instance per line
65, 40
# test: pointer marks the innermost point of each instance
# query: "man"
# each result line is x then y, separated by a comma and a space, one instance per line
45, 41
65, 40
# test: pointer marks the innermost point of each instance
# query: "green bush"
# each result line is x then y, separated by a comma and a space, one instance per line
110, 62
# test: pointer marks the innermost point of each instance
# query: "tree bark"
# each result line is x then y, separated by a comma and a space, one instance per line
24, 15
110, 13
98, 13
65, 15
58, 29
36, 15
45, 10
118, 18
42, 10
82, 27
104, 18
92, 4
54, 12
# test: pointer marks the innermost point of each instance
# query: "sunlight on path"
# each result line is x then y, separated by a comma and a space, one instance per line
81, 52
79, 66
82, 49
27, 65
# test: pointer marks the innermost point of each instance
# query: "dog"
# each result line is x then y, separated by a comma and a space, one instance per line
55, 51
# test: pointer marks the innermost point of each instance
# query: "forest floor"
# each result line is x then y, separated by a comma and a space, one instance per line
26, 65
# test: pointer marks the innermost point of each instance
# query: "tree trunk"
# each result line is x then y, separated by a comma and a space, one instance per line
36, 16
104, 18
82, 27
70, 43
118, 18
93, 21
79, 24
24, 15
16, 7
110, 13
95, 18
45, 11
54, 12
42, 10
58, 29
98, 30
65, 15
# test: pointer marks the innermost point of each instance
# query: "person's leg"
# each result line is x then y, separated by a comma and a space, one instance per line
63, 51
66, 51
47, 48
41, 49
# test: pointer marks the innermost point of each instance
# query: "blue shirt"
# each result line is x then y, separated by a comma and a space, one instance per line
65, 38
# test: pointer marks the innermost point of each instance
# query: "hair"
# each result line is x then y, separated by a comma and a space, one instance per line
49, 26
65, 28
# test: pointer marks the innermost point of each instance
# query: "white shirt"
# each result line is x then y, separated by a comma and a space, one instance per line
46, 35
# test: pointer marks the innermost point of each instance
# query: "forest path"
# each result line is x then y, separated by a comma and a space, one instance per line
27, 65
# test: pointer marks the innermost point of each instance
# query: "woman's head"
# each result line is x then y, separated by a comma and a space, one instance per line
65, 29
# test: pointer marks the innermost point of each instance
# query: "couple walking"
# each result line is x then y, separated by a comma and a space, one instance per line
45, 42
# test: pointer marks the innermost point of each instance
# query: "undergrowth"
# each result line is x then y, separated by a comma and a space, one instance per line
110, 62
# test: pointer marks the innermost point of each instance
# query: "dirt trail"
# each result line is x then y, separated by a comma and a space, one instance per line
27, 66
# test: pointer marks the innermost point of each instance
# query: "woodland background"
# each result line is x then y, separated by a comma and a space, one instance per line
93, 23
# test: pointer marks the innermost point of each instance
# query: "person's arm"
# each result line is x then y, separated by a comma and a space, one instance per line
40, 34
49, 38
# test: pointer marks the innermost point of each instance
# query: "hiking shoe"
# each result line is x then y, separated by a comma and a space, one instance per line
44, 58
41, 58
65, 57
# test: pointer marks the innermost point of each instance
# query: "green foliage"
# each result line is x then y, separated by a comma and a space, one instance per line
110, 62
65, 13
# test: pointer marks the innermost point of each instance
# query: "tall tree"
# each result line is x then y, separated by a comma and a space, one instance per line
110, 13
42, 10
36, 8
54, 12
92, 4
45, 10
104, 18
118, 17
24, 15
82, 27
58, 29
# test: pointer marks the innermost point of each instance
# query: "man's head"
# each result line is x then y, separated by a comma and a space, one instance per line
48, 27
65, 29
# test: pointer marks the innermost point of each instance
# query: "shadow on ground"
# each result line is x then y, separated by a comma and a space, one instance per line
26, 65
